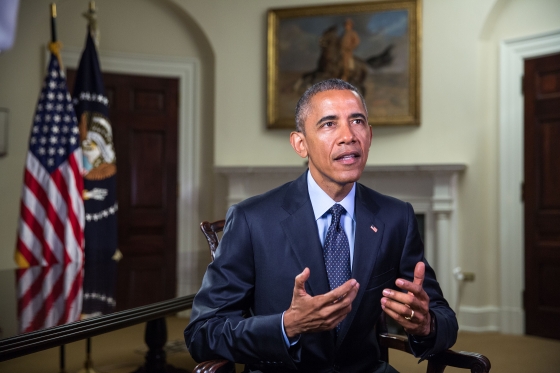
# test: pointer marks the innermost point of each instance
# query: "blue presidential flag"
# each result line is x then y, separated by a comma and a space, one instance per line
100, 200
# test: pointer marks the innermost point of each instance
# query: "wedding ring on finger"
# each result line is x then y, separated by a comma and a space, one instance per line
410, 317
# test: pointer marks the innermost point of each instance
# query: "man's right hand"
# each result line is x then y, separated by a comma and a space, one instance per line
309, 314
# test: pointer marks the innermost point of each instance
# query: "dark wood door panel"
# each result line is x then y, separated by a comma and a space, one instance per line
550, 165
144, 272
147, 157
542, 195
148, 101
150, 142
547, 224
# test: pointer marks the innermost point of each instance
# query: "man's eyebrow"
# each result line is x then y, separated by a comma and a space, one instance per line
328, 117
358, 115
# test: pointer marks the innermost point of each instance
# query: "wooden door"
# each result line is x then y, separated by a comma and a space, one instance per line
542, 196
144, 115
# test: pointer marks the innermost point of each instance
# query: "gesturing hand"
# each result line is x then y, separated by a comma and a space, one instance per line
412, 309
309, 314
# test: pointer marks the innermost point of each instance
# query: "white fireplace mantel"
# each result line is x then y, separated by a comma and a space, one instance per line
430, 189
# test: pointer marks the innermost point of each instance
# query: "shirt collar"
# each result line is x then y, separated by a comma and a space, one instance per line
321, 202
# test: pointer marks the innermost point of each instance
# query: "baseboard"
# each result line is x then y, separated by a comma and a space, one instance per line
512, 320
479, 319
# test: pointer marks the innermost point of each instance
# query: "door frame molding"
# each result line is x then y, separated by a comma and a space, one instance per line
186, 70
512, 240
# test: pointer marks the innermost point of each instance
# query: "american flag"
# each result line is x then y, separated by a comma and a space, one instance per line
49, 248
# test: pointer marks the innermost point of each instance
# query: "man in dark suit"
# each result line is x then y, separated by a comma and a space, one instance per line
303, 271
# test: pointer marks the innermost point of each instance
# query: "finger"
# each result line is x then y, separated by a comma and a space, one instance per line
396, 307
348, 297
412, 288
399, 296
397, 317
349, 288
339, 311
419, 272
300, 280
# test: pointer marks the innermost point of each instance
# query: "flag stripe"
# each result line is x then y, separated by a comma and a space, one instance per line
76, 186
37, 234
72, 193
45, 200
25, 251
35, 281
53, 289
72, 220
37, 210
73, 292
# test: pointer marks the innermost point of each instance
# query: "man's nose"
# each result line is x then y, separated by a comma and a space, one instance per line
346, 134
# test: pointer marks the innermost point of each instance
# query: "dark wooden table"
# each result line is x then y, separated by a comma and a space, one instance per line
31, 342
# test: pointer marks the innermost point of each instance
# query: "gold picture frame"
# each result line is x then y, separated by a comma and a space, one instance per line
373, 45
3, 132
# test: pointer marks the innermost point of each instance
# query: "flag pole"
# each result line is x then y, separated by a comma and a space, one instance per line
62, 360
55, 46
62, 357
91, 16
53, 23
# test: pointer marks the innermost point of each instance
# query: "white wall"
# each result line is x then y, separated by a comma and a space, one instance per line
460, 70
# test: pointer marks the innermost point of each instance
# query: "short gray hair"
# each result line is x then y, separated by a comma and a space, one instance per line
302, 106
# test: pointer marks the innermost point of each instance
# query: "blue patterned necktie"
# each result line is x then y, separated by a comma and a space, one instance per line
337, 250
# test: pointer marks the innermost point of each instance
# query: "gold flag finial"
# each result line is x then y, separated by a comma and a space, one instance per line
55, 46
91, 16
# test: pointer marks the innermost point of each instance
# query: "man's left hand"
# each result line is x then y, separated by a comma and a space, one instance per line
412, 309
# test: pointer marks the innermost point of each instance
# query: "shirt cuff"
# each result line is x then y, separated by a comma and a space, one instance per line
428, 339
288, 341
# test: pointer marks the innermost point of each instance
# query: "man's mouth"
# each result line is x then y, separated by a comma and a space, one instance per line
347, 157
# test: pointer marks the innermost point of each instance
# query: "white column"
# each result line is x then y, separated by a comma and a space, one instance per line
445, 235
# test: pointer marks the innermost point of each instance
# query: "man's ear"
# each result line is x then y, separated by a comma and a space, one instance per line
297, 139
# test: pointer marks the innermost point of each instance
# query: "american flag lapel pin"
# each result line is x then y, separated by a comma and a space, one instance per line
374, 228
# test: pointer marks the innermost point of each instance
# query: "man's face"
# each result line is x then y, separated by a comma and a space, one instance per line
336, 140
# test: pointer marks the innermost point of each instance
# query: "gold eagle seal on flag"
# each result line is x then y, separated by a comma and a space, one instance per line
96, 137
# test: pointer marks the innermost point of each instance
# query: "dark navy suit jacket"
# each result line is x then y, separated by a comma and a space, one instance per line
267, 241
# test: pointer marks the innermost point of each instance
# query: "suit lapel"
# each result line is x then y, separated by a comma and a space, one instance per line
301, 230
368, 238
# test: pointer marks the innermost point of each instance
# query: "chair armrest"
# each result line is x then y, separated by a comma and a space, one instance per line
398, 342
477, 363
215, 366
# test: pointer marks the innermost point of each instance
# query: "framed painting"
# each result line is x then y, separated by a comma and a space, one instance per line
373, 45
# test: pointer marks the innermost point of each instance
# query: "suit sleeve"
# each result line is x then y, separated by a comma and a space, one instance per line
218, 327
445, 319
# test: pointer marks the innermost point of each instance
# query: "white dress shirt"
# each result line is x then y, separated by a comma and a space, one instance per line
321, 203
